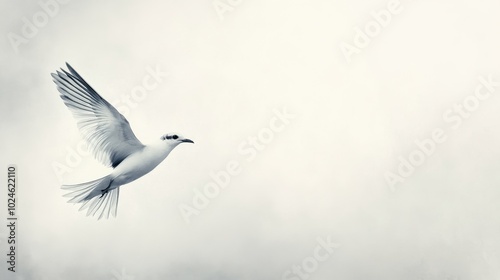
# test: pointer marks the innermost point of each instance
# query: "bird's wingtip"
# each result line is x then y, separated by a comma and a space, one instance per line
71, 70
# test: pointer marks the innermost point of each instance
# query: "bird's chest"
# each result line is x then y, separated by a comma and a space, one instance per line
136, 166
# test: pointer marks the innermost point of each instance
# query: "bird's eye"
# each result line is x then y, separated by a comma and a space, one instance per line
175, 137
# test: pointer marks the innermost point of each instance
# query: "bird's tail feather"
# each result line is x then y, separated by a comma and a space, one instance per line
92, 197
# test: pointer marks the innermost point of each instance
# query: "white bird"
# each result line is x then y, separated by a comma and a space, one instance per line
111, 141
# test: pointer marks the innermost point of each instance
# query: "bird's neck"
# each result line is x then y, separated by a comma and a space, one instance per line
160, 149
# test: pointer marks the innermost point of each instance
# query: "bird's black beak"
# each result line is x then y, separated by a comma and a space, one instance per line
187, 141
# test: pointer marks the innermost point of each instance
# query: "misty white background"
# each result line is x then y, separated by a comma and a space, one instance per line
321, 176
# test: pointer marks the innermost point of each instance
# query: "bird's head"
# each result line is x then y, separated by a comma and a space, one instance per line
174, 139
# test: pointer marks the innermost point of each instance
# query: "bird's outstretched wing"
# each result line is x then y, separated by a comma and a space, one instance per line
106, 131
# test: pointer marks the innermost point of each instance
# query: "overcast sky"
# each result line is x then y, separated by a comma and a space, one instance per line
374, 125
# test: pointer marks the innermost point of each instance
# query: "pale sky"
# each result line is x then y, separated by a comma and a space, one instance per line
372, 124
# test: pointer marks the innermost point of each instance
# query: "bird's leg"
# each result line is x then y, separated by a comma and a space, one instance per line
105, 191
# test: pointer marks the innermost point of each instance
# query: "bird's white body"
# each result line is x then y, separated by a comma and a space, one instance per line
140, 163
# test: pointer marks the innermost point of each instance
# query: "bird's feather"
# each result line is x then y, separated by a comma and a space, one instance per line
92, 196
106, 131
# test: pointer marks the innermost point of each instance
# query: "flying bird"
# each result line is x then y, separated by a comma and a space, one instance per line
111, 141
